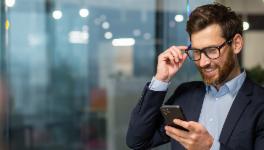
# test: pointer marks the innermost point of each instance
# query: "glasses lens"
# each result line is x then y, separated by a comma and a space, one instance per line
194, 54
212, 52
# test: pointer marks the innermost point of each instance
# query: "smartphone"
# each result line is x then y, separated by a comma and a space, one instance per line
171, 112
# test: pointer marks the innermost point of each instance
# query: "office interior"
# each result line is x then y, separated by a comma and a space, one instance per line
72, 70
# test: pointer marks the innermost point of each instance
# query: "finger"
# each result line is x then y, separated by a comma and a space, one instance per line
183, 59
182, 141
177, 132
175, 54
166, 56
184, 51
174, 50
181, 51
184, 56
177, 51
185, 124
182, 47
170, 56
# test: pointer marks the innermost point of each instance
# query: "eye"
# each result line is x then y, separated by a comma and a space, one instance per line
211, 50
196, 52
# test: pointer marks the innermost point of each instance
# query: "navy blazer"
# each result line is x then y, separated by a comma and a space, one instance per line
243, 128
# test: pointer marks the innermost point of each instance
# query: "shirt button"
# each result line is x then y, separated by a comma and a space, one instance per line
211, 119
216, 98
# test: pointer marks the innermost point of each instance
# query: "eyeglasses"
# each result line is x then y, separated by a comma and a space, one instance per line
212, 52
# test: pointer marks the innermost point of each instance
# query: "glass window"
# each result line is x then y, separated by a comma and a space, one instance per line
74, 69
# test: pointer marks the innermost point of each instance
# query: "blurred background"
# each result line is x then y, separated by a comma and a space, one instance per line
72, 70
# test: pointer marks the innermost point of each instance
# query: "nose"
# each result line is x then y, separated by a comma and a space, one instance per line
204, 61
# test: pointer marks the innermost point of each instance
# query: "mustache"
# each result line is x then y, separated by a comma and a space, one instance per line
207, 67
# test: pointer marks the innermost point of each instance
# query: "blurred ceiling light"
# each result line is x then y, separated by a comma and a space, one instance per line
179, 18
57, 14
84, 12
245, 25
78, 37
105, 25
123, 42
108, 35
136, 32
10, 3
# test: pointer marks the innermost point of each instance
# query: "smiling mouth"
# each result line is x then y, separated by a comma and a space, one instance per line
209, 71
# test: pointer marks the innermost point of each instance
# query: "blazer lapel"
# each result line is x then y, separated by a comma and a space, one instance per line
240, 103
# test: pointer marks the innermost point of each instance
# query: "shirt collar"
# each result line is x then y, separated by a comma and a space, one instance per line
231, 86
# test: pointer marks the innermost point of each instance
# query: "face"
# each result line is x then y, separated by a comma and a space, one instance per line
213, 71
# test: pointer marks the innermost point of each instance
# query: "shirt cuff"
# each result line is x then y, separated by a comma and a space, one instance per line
157, 85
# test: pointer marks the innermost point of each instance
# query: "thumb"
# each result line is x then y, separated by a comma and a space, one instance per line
184, 57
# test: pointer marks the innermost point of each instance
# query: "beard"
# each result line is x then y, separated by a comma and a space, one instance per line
222, 71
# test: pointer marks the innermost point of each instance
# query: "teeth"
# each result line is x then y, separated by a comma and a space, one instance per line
209, 70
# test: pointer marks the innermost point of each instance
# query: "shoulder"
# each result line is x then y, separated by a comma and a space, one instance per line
191, 85
189, 88
258, 90
258, 105
186, 91
255, 93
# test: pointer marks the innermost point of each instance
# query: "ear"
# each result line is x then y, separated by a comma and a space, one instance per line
237, 43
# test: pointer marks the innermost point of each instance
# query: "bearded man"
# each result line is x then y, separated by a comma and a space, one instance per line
225, 111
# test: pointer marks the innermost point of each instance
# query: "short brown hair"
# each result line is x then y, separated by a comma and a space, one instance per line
215, 13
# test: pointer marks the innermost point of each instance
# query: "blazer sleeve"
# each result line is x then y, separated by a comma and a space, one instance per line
146, 127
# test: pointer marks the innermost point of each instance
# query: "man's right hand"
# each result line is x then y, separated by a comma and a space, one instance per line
169, 62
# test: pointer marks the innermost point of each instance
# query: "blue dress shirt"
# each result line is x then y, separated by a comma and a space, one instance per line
216, 104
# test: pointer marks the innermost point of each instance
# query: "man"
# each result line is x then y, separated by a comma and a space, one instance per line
225, 111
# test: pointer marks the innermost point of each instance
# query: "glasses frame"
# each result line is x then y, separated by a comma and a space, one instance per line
203, 50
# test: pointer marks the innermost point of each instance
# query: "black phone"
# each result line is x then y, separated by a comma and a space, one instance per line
171, 112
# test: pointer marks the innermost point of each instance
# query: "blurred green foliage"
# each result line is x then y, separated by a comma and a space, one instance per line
256, 74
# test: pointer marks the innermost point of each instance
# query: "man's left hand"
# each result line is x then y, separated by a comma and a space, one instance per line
197, 138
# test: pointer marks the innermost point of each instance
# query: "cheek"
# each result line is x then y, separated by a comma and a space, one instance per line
222, 61
218, 64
